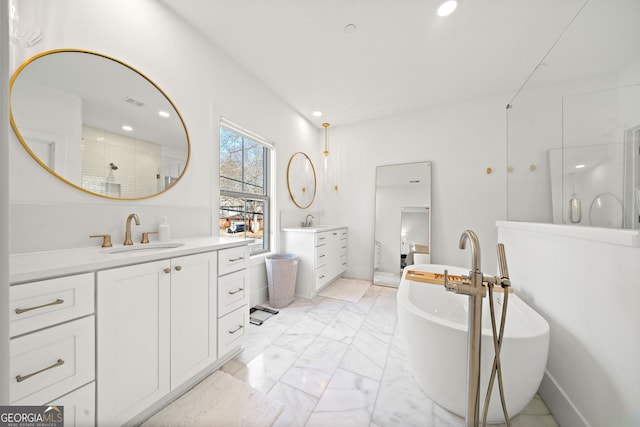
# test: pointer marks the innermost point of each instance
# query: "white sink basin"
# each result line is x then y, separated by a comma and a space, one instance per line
144, 247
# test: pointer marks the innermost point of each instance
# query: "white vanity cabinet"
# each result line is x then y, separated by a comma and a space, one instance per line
322, 254
156, 329
52, 346
115, 335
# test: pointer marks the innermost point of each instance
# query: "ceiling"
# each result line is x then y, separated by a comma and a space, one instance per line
402, 57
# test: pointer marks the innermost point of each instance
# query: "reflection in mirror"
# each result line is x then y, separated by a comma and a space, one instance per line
574, 127
402, 220
98, 124
301, 180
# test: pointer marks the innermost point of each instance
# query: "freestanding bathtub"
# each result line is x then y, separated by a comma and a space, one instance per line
433, 324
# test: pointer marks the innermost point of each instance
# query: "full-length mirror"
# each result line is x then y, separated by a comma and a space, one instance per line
402, 220
98, 124
301, 180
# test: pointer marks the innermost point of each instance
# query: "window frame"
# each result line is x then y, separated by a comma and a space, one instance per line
266, 198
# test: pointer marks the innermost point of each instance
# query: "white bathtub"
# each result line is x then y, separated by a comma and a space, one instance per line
433, 324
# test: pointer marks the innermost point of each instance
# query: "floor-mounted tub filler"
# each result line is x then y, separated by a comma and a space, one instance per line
453, 366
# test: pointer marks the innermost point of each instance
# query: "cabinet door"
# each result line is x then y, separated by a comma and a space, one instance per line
133, 340
79, 406
193, 315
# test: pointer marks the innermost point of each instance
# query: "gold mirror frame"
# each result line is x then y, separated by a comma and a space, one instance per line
292, 185
161, 94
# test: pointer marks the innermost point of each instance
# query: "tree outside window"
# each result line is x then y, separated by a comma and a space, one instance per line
244, 198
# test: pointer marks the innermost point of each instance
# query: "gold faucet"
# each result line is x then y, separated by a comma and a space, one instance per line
127, 233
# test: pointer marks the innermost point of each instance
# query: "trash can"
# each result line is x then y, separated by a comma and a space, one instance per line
281, 277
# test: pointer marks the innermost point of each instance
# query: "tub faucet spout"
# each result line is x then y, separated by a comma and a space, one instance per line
472, 237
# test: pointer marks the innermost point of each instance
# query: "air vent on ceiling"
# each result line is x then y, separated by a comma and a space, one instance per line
133, 101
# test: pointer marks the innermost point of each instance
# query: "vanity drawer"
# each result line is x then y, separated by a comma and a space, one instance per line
343, 233
232, 259
47, 364
231, 330
37, 305
322, 276
321, 238
233, 292
343, 263
321, 256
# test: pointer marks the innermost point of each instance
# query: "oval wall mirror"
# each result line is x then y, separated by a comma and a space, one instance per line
301, 180
98, 124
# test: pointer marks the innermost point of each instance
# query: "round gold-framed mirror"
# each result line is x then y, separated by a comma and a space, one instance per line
301, 180
98, 124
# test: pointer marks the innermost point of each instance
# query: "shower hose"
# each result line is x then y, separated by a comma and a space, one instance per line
496, 370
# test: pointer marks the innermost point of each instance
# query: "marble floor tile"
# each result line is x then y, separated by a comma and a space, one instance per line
264, 370
298, 405
339, 363
347, 401
344, 325
367, 354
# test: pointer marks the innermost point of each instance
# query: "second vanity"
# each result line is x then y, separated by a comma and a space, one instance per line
115, 334
322, 253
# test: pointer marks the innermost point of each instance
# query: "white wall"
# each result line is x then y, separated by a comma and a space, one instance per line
462, 141
586, 289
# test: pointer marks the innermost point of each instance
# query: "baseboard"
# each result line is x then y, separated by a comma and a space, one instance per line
562, 408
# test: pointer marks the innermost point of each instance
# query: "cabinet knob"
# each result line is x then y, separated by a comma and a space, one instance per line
178, 267
167, 270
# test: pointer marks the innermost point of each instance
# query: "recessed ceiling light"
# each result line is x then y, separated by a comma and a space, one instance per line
163, 113
447, 7
317, 114
127, 128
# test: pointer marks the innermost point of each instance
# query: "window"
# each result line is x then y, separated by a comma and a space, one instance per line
244, 185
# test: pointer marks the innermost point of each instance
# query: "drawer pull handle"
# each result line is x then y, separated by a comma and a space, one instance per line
321, 256
178, 267
236, 329
24, 310
236, 291
321, 277
167, 270
236, 259
20, 378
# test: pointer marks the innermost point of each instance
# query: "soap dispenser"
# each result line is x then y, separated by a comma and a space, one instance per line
164, 230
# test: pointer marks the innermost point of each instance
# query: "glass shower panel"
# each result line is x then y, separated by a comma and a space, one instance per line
598, 163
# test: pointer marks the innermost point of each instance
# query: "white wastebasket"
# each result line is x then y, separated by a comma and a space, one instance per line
281, 277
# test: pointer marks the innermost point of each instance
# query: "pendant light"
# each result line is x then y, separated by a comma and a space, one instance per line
325, 153
329, 167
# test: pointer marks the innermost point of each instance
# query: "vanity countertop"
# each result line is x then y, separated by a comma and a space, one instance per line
315, 229
39, 265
